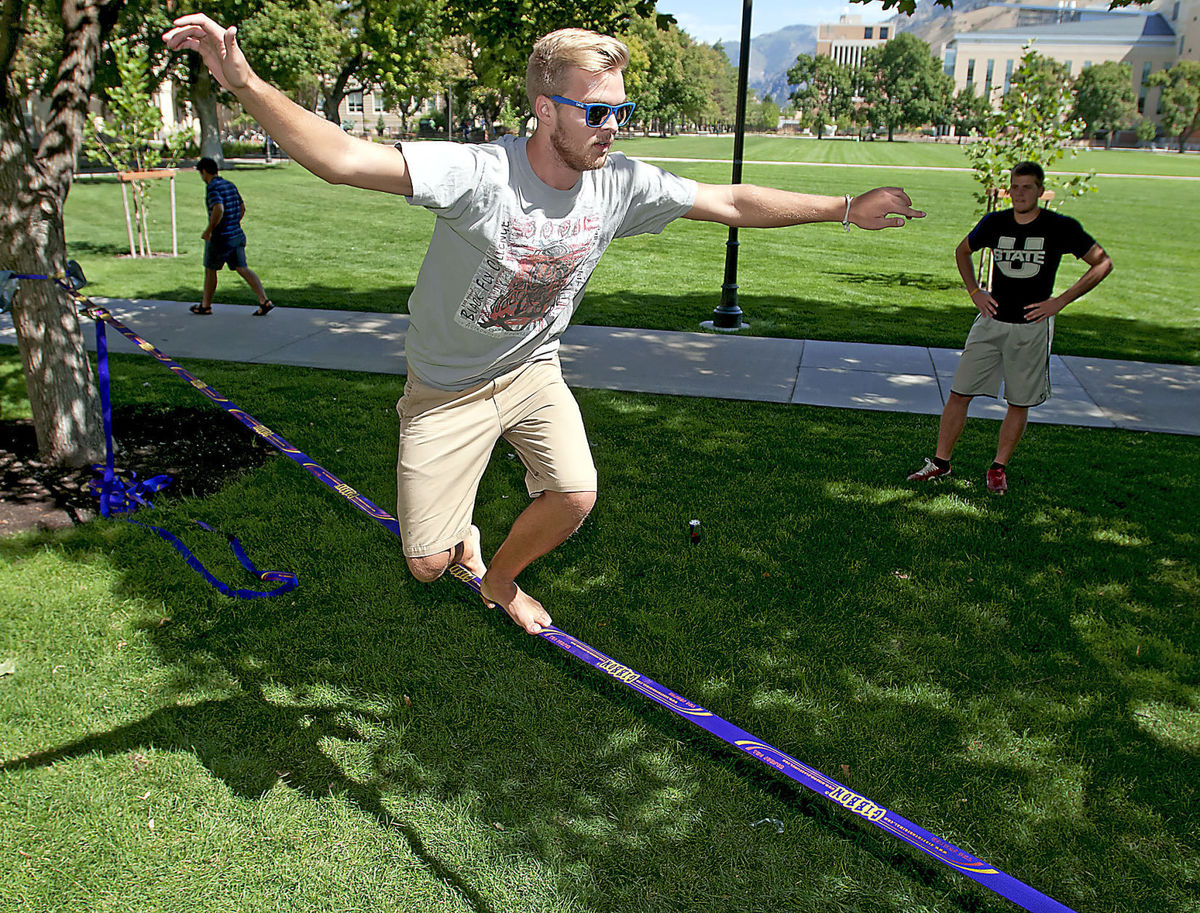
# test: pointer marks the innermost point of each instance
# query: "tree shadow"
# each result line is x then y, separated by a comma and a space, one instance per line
801, 316
382, 300
245, 726
928, 282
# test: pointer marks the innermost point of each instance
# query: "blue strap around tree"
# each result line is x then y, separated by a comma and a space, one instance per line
118, 496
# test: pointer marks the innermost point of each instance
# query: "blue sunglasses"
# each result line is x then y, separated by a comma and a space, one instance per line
597, 114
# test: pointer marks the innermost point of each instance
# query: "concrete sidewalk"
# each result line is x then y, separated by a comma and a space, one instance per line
1094, 392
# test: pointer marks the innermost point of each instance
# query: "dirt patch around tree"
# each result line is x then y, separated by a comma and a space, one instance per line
201, 449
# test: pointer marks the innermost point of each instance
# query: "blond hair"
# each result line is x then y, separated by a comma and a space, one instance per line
559, 51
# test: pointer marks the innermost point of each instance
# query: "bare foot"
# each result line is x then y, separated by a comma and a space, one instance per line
469, 555
520, 606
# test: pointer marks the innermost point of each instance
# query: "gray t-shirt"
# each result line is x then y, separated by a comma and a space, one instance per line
510, 255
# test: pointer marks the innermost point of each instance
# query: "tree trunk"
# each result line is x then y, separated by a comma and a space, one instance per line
333, 100
204, 103
34, 186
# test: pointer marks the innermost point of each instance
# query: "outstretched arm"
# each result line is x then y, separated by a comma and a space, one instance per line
320, 146
751, 206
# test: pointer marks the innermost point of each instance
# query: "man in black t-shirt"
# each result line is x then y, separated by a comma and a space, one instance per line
1010, 339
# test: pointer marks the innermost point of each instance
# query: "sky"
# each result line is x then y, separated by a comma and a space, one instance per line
721, 20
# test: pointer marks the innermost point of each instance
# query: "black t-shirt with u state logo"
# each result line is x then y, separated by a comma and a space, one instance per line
1025, 258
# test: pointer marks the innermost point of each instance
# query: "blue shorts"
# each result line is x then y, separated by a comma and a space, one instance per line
218, 254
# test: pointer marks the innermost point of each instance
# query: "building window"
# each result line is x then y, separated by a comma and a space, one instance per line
1086, 64
379, 102
1175, 11
987, 82
883, 33
1008, 70
354, 102
971, 70
1145, 74
1068, 64
868, 32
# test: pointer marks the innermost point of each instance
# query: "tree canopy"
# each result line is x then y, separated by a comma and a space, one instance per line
904, 84
1104, 98
1180, 98
824, 90
1035, 123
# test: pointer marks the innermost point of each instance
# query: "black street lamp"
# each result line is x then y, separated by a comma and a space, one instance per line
727, 316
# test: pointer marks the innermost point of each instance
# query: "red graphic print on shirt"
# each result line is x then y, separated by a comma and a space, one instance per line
536, 272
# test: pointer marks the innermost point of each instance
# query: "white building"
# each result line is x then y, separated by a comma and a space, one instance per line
1079, 37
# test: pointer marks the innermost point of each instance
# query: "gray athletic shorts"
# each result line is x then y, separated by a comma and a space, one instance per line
1016, 353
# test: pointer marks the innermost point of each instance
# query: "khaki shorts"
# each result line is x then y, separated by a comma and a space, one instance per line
446, 441
1017, 353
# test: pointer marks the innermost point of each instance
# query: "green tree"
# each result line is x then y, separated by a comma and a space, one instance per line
969, 112
1180, 102
764, 115
724, 85
1035, 123
717, 81
36, 171
904, 84
500, 35
125, 135
1104, 98
292, 34
657, 75
296, 45
823, 93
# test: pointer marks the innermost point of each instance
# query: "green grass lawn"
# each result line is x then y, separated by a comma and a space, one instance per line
334, 247
1018, 675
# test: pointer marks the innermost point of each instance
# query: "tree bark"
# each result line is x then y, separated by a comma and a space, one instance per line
333, 100
204, 102
34, 183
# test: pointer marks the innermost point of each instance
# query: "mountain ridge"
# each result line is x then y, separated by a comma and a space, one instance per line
772, 54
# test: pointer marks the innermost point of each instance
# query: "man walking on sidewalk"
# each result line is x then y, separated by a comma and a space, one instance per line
521, 224
224, 240
1010, 339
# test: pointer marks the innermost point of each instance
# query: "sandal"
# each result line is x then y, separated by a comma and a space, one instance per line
200, 309
264, 308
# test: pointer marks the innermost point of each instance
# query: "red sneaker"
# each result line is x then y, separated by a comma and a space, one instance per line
930, 472
997, 481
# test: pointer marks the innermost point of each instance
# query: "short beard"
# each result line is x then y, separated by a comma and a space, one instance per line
573, 158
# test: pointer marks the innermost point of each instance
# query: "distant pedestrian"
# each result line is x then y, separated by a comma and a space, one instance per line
224, 240
1010, 339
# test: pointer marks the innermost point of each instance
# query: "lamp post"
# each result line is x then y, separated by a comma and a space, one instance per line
727, 316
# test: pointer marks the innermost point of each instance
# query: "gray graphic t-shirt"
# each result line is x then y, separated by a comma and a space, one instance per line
510, 256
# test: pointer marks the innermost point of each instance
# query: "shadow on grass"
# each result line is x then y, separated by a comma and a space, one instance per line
970, 661
804, 317
925, 281
89, 248
232, 290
